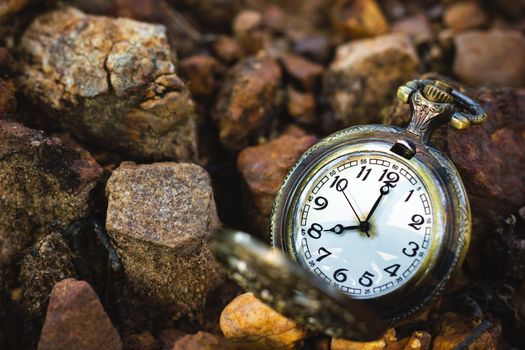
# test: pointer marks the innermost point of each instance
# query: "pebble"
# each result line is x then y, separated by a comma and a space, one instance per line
354, 19
465, 15
303, 71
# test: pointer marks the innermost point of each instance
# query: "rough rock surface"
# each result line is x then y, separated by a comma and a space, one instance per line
465, 15
358, 18
490, 58
250, 322
247, 99
202, 341
301, 106
48, 262
141, 341
201, 73
76, 320
159, 216
41, 181
365, 75
7, 87
305, 73
453, 328
264, 168
109, 81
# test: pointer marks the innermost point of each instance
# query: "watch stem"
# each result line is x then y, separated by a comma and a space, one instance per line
439, 92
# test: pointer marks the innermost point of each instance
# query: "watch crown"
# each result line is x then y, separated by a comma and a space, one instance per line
439, 92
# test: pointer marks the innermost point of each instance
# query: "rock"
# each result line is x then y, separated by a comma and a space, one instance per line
465, 15
10, 7
109, 81
274, 18
417, 27
7, 87
306, 73
76, 320
315, 47
142, 341
247, 100
41, 181
418, 341
250, 322
343, 344
490, 58
354, 19
202, 341
453, 328
248, 30
159, 216
263, 169
227, 49
49, 261
365, 75
301, 106
168, 338
201, 74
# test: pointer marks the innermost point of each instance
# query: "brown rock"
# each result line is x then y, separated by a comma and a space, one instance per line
201, 341
41, 181
303, 71
76, 320
49, 262
142, 341
201, 74
247, 99
358, 18
7, 99
264, 168
343, 344
109, 81
274, 18
454, 328
418, 341
159, 216
227, 49
301, 106
417, 27
490, 58
365, 75
248, 30
10, 7
250, 322
315, 47
465, 15
168, 338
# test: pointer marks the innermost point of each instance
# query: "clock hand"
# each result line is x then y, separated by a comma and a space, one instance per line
338, 229
383, 192
351, 206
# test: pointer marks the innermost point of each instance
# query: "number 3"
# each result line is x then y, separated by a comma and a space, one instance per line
414, 247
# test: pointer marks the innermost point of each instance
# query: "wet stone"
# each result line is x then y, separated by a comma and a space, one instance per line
490, 58
251, 323
109, 81
246, 101
41, 181
159, 216
358, 19
365, 74
76, 320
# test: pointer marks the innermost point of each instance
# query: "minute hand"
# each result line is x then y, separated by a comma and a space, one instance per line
384, 191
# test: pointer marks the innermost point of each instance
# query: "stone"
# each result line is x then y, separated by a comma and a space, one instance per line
201, 74
465, 15
490, 58
42, 181
76, 320
343, 344
202, 341
7, 87
49, 262
365, 74
316, 47
10, 7
354, 19
159, 216
168, 337
264, 168
247, 100
453, 329
249, 32
417, 27
304, 72
227, 49
419, 340
301, 106
248, 321
141, 341
109, 81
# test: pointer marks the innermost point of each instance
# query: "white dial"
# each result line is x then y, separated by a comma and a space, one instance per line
364, 224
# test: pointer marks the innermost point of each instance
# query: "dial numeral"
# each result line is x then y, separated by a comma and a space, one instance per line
412, 250
365, 280
321, 203
391, 178
417, 221
392, 270
323, 253
339, 275
315, 231
409, 195
365, 171
340, 184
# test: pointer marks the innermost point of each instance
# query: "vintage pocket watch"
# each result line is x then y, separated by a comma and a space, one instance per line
376, 214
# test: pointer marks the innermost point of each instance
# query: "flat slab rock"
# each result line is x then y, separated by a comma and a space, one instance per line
76, 320
159, 216
41, 181
109, 81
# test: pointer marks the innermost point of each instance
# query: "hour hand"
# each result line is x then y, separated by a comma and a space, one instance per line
338, 229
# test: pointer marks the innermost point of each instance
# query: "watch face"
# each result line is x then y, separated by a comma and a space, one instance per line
365, 223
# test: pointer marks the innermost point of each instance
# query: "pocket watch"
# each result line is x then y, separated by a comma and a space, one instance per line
369, 225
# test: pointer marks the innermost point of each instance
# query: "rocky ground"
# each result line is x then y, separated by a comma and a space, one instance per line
160, 120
